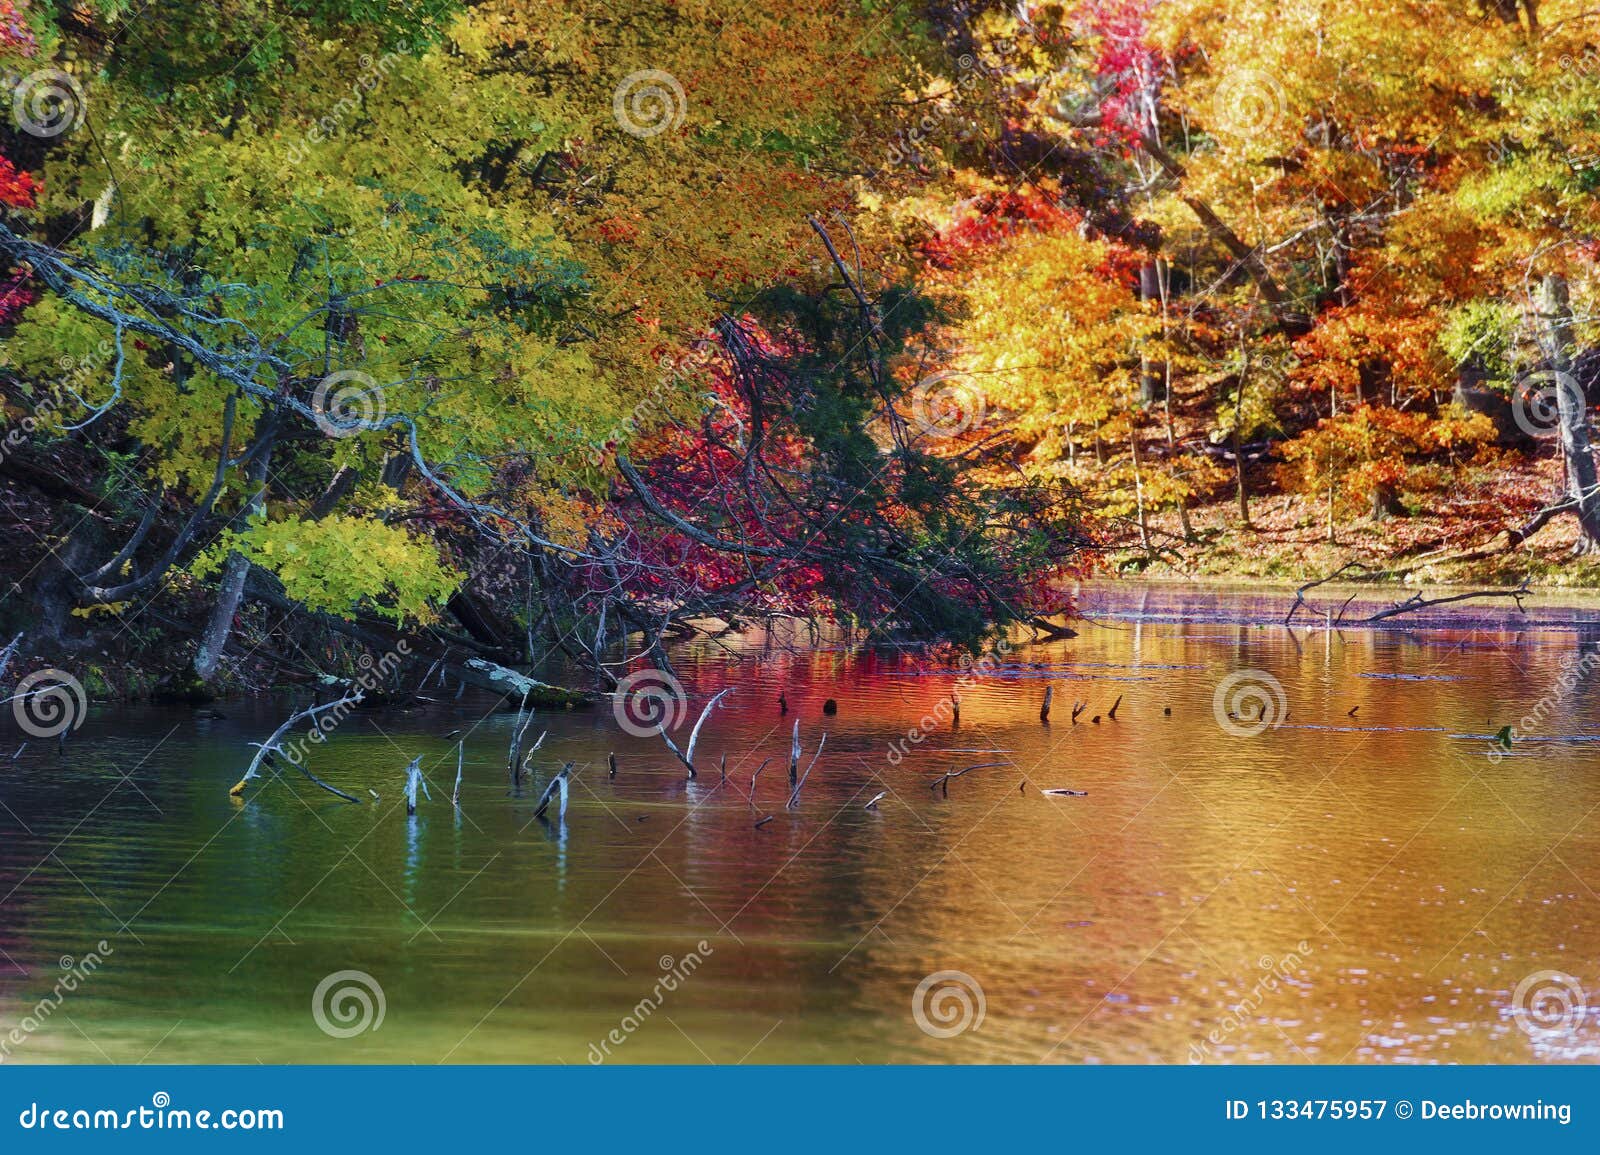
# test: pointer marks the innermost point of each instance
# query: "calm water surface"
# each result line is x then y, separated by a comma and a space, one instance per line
1366, 887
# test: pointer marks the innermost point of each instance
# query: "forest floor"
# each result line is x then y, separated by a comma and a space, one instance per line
1441, 541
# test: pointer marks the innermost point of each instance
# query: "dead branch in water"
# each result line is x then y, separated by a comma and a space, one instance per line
414, 780
1078, 708
943, 781
518, 729
265, 750
794, 754
753, 778
556, 784
794, 798
876, 798
687, 757
1044, 710
461, 753
1417, 602
1300, 594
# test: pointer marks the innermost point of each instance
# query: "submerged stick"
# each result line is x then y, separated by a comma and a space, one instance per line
558, 784
414, 780
514, 753
794, 753
753, 778
611, 764
794, 798
461, 753
1112, 713
1044, 710
687, 757
266, 749
876, 798
943, 781
1078, 708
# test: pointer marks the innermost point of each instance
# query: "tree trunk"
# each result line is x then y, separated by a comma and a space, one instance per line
1555, 310
230, 592
1149, 374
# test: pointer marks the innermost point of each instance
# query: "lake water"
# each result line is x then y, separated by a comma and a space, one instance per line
1366, 886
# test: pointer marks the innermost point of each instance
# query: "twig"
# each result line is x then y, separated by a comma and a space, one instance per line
753, 778
1417, 602
266, 749
687, 758
943, 781
414, 780
1300, 594
556, 784
794, 798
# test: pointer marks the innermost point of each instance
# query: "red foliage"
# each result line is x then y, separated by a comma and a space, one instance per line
992, 219
1130, 66
17, 189
13, 33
